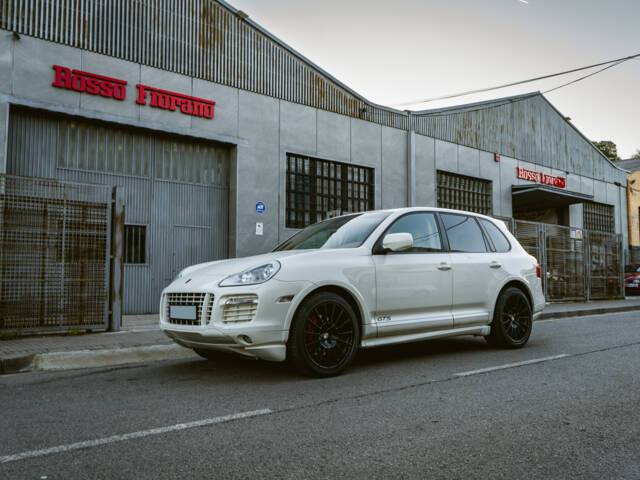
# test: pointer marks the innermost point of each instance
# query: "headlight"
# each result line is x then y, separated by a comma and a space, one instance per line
253, 276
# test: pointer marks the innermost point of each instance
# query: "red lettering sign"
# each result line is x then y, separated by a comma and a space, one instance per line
166, 100
532, 175
108, 87
553, 180
90, 83
526, 174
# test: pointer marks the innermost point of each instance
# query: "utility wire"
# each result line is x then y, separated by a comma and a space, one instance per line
508, 101
615, 62
586, 76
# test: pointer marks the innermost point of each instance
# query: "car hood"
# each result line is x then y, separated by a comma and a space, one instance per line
204, 274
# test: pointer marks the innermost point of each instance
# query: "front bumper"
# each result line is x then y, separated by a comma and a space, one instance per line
264, 336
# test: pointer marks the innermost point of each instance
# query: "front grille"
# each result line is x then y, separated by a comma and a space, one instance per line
185, 300
208, 310
239, 309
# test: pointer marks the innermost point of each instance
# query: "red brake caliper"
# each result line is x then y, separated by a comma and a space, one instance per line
312, 321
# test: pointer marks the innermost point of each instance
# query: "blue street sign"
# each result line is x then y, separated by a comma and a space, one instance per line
261, 207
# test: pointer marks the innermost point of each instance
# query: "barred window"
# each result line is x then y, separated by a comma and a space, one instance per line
135, 244
460, 192
319, 189
599, 217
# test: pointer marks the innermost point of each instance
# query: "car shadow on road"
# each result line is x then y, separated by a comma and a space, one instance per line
234, 368
229, 367
424, 350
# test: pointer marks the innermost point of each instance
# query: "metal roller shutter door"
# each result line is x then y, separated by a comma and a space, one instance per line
170, 184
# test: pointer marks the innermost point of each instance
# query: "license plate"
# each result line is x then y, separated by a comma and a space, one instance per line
182, 312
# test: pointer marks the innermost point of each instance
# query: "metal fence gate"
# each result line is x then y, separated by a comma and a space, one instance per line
579, 264
55, 255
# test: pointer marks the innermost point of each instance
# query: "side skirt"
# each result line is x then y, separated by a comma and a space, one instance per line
416, 337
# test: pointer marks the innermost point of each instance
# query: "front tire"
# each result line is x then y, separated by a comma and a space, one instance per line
512, 320
324, 336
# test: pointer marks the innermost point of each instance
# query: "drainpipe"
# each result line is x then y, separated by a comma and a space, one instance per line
630, 215
411, 164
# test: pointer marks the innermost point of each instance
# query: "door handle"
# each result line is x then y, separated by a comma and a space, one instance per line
495, 264
444, 266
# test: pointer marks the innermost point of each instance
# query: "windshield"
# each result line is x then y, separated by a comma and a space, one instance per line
349, 231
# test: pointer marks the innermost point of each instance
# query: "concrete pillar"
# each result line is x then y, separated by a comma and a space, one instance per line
116, 282
4, 133
411, 168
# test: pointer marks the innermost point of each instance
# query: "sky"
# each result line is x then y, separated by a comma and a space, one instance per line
397, 51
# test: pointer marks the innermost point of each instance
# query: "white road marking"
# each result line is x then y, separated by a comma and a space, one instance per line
510, 365
132, 435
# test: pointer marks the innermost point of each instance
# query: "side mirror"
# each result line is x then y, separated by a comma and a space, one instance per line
397, 242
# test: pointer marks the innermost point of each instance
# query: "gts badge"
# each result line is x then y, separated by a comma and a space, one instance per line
383, 318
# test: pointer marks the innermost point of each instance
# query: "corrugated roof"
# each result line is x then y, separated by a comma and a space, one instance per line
225, 46
630, 164
468, 107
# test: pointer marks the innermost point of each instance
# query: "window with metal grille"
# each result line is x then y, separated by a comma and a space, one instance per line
599, 217
135, 244
465, 193
319, 189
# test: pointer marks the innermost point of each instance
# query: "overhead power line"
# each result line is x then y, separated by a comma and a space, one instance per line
586, 76
610, 63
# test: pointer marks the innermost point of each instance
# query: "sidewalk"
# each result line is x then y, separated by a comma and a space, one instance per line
141, 340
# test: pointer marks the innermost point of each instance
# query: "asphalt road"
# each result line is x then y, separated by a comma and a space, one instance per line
441, 409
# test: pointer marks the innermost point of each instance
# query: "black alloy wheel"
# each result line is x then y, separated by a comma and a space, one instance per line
324, 336
512, 320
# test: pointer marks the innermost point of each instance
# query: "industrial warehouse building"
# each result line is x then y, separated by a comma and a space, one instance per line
221, 141
632, 165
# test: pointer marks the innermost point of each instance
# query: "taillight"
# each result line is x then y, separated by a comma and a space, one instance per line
537, 270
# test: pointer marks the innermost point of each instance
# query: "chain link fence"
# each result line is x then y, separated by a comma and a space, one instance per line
54, 255
578, 264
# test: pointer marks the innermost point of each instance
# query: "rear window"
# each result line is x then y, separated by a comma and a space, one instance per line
464, 233
633, 268
498, 239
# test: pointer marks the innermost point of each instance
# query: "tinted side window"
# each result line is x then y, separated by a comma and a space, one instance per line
497, 237
424, 229
464, 233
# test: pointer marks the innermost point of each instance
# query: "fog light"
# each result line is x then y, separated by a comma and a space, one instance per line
245, 338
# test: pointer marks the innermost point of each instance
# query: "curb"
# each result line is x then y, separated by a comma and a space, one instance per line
58, 361
17, 364
586, 312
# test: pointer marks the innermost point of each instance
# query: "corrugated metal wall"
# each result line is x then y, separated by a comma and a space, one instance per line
527, 128
200, 38
208, 40
169, 183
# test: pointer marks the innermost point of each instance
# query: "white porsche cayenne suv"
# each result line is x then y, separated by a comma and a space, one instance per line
359, 281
